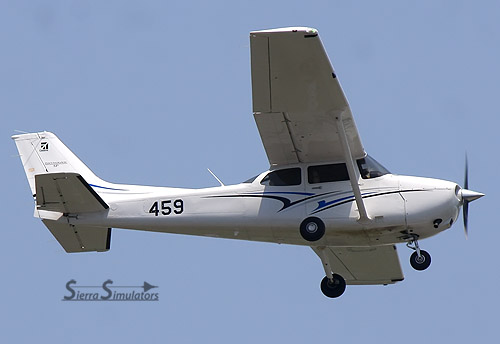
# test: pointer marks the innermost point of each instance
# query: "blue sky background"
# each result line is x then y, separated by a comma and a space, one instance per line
154, 92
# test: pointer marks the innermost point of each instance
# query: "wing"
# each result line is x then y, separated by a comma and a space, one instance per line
365, 265
297, 98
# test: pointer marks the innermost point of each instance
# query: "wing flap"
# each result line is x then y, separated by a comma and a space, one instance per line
80, 238
365, 265
276, 137
66, 193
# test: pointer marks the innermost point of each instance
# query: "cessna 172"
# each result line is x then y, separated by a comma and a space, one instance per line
322, 189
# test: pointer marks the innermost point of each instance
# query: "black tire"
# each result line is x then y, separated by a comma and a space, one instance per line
312, 229
333, 289
421, 263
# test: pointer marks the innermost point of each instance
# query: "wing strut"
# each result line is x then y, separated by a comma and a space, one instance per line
353, 175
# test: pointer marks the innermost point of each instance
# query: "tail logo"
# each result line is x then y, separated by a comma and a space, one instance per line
44, 146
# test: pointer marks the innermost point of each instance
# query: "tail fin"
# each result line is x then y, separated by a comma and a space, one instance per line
43, 153
60, 183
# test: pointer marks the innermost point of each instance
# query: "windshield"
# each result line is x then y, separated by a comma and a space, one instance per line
250, 180
370, 168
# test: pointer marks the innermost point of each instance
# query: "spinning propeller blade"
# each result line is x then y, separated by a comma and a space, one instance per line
467, 197
466, 203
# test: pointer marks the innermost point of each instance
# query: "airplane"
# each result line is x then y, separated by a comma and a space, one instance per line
322, 189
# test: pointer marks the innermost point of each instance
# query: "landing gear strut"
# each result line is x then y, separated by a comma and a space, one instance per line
420, 259
332, 285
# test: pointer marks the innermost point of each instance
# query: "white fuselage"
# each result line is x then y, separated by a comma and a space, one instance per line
398, 206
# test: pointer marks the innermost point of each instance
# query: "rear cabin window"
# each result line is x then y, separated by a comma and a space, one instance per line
327, 173
285, 177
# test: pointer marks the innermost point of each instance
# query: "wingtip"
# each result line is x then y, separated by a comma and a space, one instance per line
303, 29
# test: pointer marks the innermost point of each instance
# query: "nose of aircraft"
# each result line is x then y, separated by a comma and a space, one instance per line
467, 196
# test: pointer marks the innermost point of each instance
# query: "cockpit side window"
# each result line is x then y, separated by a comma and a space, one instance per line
370, 168
285, 177
327, 173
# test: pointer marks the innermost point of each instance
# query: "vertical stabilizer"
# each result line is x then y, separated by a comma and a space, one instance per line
43, 153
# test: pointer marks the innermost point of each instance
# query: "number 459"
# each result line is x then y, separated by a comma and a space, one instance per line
164, 207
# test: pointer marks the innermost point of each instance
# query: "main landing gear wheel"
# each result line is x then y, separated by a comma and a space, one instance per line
312, 229
333, 288
422, 262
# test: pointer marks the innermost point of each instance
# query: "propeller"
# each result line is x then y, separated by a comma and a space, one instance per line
467, 197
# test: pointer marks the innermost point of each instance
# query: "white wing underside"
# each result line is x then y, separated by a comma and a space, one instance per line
297, 98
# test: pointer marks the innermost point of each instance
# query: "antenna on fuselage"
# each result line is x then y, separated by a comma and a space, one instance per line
213, 174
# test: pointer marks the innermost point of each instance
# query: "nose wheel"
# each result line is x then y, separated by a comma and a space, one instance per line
422, 262
420, 259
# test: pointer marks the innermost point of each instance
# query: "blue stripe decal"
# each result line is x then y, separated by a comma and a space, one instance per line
323, 203
103, 187
287, 193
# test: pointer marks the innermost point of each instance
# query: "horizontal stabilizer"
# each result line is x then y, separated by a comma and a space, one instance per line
66, 192
80, 238
365, 265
